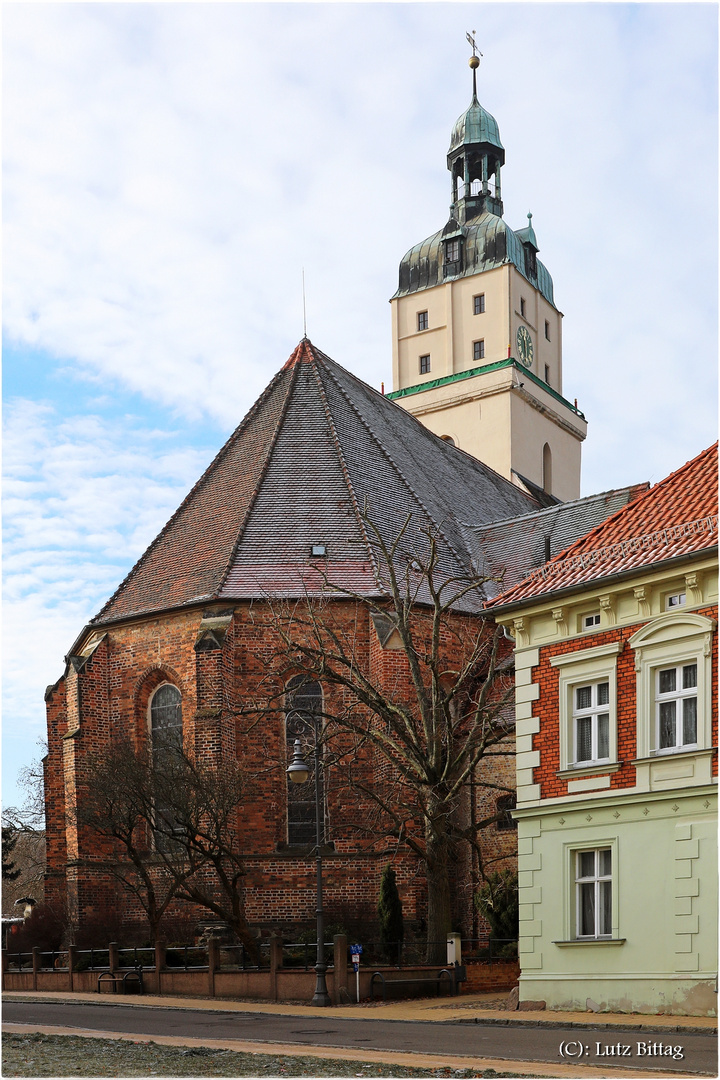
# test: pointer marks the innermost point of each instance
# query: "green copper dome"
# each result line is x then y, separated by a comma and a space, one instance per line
476, 125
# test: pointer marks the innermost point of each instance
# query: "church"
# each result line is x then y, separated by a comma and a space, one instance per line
329, 493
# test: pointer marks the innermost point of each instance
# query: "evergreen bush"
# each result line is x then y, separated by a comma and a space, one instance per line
390, 915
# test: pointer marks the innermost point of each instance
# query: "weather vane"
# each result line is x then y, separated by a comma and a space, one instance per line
474, 60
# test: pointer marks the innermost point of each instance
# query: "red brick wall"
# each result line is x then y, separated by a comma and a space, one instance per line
547, 706
108, 698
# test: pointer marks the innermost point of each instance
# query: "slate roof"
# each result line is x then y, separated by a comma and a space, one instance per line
315, 449
676, 517
508, 550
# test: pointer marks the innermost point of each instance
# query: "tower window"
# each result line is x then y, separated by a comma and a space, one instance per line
547, 330
522, 306
479, 304
479, 350
546, 468
547, 374
424, 364
422, 320
452, 251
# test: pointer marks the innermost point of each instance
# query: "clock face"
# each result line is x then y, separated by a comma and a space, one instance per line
525, 346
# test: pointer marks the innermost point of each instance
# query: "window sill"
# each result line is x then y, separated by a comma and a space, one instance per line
588, 770
664, 755
590, 941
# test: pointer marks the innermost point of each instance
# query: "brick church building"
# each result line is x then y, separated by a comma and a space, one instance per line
286, 514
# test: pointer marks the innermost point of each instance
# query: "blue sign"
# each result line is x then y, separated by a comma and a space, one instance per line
355, 949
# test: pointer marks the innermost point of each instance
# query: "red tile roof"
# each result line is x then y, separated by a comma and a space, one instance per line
678, 516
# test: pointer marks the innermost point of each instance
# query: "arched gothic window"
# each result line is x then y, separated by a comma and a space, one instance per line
303, 702
166, 720
166, 741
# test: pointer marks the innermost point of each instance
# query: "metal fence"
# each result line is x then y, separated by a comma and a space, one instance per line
136, 958
92, 959
303, 954
19, 961
236, 958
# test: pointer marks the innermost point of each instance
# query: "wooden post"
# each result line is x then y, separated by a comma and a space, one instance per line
213, 956
159, 962
36, 965
340, 967
71, 966
275, 964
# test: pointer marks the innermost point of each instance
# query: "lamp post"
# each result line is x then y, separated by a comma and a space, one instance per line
299, 771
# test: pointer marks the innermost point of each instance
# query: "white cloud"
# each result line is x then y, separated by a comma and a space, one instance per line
170, 168
82, 499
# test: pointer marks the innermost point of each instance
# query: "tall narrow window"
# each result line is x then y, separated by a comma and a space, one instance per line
422, 320
304, 706
593, 893
166, 741
591, 721
547, 469
479, 304
676, 701
505, 806
424, 364
522, 306
547, 330
479, 350
547, 374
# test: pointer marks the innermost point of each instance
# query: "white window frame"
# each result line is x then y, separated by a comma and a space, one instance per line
577, 669
597, 879
592, 712
672, 640
594, 615
676, 696
599, 842
675, 601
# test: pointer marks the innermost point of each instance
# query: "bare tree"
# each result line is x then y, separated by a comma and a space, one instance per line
174, 822
117, 805
26, 825
200, 825
445, 712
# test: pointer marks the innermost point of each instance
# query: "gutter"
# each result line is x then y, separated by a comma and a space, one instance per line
622, 575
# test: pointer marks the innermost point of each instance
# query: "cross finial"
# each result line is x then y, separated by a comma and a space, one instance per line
474, 60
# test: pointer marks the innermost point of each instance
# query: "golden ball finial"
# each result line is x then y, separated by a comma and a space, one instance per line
474, 62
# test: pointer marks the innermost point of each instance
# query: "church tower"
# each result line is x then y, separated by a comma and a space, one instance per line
477, 338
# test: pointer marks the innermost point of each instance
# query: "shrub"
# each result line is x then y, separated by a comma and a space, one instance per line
497, 902
390, 915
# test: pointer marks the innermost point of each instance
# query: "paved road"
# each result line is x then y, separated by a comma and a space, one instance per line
592, 1047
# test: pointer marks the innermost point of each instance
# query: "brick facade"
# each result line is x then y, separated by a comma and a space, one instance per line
105, 695
547, 707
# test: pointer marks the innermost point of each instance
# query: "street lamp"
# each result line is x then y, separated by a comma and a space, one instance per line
298, 770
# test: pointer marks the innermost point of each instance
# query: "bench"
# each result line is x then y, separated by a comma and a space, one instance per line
121, 980
438, 980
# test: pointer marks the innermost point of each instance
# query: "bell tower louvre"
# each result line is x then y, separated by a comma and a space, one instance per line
477, 338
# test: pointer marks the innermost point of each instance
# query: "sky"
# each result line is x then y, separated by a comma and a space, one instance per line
171, 169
